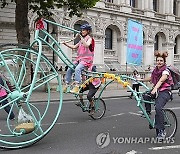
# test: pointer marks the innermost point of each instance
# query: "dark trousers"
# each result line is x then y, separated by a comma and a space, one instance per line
160, 102
135, 87
7, 108
92, 91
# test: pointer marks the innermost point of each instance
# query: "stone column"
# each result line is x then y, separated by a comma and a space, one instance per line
141, 4
125, 7
169, 10
148, 53
170, 48
178, 45
122, 53
178, 11
128, 2
118, 2
99, 49
148, 6
162, 6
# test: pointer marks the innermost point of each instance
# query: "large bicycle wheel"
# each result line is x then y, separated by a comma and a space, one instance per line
170, 122
30, 73
100, 108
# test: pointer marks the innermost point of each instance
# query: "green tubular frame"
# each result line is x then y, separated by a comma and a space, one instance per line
17, 95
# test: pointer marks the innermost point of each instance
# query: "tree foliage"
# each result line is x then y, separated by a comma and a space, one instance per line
43, 7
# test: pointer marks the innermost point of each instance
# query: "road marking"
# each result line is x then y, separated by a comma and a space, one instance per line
174, 108
73, 122
134, 113
165, 147
115, 115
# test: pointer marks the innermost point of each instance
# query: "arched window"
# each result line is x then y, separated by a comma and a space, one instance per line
155, 5
108, 39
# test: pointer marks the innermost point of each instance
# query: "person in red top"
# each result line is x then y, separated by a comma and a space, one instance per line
162, 81
84, 57
3, 101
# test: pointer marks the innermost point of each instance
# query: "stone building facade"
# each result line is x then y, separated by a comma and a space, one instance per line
161, 30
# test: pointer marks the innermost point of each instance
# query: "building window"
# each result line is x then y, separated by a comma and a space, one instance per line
175, 7
77, 27
155, 5
109, 1
156, 43
108, 39
175, 47
133, 3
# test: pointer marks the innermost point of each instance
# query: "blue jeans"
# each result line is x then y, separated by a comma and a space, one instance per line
77, 71
160, 102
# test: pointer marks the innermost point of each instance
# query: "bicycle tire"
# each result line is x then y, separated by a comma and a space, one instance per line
100, 108
11, 141
170, 123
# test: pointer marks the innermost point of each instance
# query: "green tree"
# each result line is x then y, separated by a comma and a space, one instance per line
42, 8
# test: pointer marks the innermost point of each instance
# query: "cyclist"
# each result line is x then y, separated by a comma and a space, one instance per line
84, 57
93, 87
162, 81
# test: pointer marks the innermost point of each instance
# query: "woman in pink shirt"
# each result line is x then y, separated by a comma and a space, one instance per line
162, 80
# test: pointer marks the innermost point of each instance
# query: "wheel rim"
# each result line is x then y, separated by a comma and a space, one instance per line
19, 59
170, 123
100, 108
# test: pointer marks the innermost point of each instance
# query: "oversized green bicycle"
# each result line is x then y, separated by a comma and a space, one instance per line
16, 61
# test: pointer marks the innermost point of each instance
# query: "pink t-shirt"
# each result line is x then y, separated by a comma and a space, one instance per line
96, 82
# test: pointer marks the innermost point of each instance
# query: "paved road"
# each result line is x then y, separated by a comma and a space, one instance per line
76, 133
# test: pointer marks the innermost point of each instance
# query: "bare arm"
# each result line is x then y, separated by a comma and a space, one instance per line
159, 83
71, 45
86, 44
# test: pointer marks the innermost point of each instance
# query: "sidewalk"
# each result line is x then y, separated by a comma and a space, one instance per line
107, 93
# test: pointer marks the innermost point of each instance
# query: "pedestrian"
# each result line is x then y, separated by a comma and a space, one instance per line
162, 81
4, 101
93, 87
84, 57
135, 84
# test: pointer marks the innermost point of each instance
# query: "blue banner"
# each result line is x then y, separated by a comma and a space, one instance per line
134, 43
